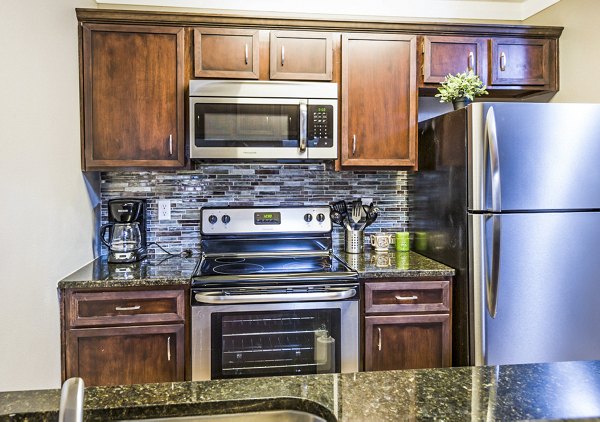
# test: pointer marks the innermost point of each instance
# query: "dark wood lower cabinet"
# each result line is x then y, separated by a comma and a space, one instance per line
407, 342
407, 324
125, 336
126, 355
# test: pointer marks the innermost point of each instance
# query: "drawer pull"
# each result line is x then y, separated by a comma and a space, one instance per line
169, 348
379, 341
128, 308
405, 298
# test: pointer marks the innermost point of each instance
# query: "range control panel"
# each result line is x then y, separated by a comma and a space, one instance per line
226, 220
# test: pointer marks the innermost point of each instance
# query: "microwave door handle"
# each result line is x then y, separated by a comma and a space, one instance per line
303, 125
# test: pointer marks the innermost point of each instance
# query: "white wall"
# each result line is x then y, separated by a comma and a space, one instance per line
46, 214
579, 48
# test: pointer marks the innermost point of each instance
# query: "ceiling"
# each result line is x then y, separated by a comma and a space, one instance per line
515, 10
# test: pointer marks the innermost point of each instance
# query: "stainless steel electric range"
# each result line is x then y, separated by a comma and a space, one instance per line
269, 297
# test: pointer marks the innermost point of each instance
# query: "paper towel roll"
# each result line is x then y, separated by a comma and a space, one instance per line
325, 353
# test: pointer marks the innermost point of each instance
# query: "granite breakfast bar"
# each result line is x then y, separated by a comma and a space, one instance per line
566, 390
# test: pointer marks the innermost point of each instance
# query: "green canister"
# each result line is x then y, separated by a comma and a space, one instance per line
402, 241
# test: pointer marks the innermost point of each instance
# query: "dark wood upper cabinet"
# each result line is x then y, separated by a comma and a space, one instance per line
133, 96
379, 100
301, 55
519, 61
226, 53
451, 55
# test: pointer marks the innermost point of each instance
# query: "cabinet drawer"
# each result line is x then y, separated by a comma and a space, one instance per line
90, 309
409, 296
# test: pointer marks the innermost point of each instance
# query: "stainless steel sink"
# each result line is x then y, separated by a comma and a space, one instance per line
265, 416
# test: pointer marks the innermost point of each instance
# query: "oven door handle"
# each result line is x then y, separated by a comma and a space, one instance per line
226, 299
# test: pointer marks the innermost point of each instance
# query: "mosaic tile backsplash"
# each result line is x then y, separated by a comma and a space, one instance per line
253, 184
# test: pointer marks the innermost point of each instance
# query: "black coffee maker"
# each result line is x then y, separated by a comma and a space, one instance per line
126, 230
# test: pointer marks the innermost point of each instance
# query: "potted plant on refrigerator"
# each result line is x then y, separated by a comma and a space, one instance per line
460, 89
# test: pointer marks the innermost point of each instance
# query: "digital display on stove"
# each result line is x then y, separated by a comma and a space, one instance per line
263, 218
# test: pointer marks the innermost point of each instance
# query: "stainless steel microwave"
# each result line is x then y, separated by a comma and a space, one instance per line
263, 120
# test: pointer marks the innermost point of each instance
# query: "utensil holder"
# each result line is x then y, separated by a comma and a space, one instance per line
354, 241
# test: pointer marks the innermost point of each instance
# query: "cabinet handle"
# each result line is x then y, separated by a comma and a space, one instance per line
128, 308
379, 340
171, 144
403, 298
282, 55
246, 54
354, 144
502, 62
471, 61
169, 348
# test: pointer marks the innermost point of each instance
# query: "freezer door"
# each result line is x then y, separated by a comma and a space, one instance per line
530, 156
541, 301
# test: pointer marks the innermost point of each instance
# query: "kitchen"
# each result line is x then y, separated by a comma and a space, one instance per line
60, 240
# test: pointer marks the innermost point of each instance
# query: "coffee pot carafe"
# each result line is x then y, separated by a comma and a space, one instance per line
122, 237
126, 230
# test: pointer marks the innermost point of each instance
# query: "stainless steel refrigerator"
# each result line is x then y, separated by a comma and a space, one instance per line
509, 195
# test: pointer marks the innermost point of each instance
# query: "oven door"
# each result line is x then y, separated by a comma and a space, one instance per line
268, 339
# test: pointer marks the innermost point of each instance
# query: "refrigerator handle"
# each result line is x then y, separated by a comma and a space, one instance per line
491, 144
491, 280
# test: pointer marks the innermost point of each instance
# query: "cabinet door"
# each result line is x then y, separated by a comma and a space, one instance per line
517, 61
301, 55
126, 355
379, 100
226, 53
452, 55
407, 342
133, 96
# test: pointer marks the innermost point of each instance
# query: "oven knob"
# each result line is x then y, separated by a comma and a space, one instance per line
308, 218
212, 219
320, 217
225, 219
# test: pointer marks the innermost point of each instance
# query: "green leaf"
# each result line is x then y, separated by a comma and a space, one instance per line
465, 84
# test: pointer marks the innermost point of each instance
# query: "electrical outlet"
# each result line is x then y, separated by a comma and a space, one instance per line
367, 201
164, 209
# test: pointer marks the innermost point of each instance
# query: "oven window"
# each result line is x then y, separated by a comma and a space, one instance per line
246, 125
266, 343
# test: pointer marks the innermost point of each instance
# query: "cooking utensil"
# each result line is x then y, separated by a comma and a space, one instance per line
336, 217
340, 220
341, 207
357, 211
372, 214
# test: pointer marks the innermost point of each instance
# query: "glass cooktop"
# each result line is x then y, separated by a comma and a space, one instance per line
275, 269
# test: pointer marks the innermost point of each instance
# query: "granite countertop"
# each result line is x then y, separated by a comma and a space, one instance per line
565, 390
392, 264
174, 270
162, 270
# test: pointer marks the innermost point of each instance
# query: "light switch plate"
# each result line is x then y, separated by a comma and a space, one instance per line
164, 209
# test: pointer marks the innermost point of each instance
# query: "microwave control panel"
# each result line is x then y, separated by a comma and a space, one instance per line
320, 126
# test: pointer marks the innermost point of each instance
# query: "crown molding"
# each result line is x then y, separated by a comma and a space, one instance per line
506, 10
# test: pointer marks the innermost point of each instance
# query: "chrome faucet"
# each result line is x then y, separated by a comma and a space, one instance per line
71, 401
